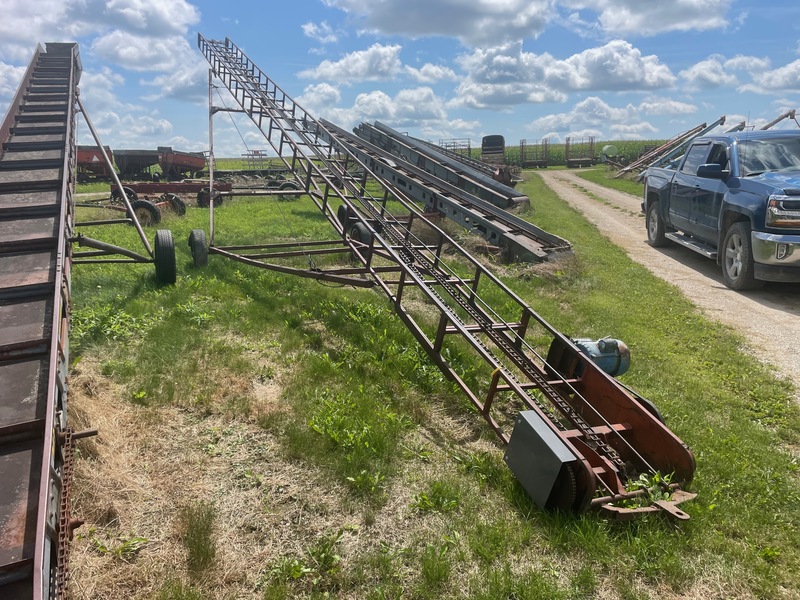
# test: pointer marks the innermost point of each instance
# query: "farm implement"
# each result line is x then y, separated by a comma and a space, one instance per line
37, 240
577, 439
148, 209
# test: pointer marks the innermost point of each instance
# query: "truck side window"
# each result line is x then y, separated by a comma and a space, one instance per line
694, 158
718, 156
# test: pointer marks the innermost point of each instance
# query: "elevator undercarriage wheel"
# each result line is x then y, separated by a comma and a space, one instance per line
146, 212
289, 185
343, 214
164, 257
199, 247
358, 232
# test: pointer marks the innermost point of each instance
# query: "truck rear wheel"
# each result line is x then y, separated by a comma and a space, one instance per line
655, 226
737, 258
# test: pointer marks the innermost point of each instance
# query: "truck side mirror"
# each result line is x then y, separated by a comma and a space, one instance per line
712, 171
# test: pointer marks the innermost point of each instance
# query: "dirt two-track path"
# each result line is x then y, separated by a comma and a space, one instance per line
769, 319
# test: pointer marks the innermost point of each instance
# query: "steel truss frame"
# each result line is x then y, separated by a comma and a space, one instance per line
503, 356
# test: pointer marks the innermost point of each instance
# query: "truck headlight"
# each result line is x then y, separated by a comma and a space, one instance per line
783, 211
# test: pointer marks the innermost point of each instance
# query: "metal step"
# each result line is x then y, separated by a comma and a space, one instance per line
34, 144
48, 117
51, 107
698, 246
46, 128
39, 97
30, 203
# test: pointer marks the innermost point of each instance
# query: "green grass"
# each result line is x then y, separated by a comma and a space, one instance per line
94, 186
177, 590
605, 177
628, 150
363, 408
197, 528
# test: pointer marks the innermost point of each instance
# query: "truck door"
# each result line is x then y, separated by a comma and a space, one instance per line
707, 202
685, 187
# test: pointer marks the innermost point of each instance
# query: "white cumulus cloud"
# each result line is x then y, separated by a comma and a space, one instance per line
593, 114
375, 63
507, 75
413, 107
777, 80
474, 23
635, 17
322, 33
664, 106
708, 73
430, 73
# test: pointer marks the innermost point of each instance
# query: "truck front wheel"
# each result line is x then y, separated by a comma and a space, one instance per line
737, 260
655, 226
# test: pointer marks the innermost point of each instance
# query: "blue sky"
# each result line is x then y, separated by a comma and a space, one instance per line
437, 69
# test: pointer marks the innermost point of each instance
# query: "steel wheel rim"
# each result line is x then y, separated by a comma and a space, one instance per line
653, 229
143, 216
733, 256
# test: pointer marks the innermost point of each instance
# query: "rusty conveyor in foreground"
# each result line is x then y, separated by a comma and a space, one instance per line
36, 187
575, 435
37, 232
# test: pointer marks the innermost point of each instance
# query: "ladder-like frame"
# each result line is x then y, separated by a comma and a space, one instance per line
582, 434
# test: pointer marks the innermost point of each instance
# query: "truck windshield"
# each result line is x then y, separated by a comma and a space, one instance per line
777, 154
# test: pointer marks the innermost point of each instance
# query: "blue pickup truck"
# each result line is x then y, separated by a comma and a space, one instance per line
734, 197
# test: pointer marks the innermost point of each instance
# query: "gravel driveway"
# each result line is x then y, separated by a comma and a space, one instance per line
769, 319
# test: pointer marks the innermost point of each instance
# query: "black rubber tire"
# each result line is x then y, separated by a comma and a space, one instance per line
651, 408
199, 247
175, 204
359, 233
655, 226
737, 258
343, 214
164, 257
202, 198
116, 197
288, 185
146, 212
